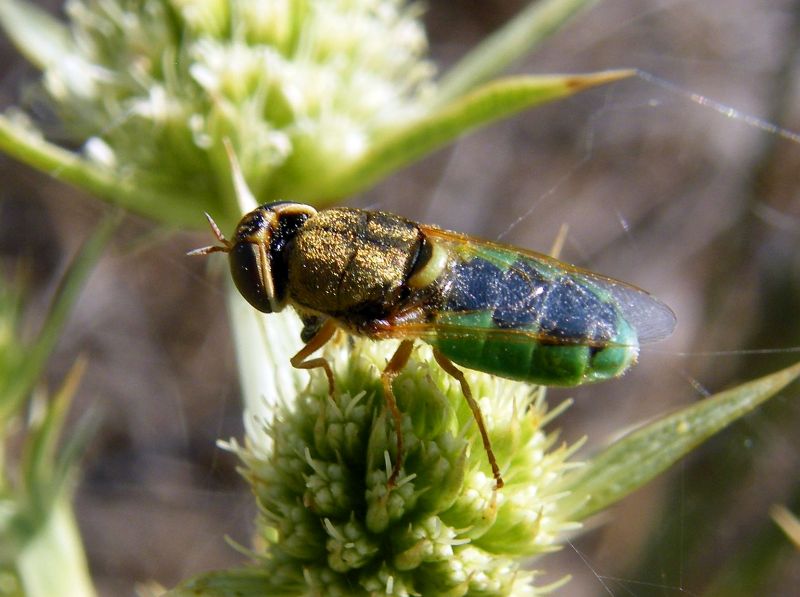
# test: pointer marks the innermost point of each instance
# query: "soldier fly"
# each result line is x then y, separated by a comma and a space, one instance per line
482, 305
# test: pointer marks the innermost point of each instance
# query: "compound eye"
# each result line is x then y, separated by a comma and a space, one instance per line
248, 274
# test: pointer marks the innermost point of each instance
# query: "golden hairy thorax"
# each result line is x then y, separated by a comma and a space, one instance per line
346, 259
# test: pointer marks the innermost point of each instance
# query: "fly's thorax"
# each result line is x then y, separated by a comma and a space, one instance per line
259, 252
353, 264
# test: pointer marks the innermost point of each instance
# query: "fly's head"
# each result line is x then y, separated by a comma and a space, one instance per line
259, 250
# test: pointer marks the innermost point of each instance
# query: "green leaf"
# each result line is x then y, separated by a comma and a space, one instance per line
65, 297
28, 146
233, 583
500, 49
51, 558
45, 467
638, 457
41, 38
487, 104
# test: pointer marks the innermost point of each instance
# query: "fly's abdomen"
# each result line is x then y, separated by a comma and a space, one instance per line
508, 316
531, 360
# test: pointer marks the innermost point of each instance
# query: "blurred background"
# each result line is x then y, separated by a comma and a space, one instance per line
659, 187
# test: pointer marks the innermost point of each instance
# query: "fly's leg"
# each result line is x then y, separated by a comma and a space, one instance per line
319, 339
395, 366
455, 372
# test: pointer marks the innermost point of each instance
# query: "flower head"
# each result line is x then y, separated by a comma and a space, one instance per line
328, 517
298, 87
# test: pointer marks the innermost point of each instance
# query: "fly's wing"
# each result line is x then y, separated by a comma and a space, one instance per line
527, 296
652, 319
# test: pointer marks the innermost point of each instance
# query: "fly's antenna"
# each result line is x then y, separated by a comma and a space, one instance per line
226, 244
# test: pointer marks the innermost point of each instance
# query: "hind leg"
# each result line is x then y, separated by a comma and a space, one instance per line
455, 372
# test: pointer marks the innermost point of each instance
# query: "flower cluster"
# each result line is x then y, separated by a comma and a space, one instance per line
300, 88
337, 527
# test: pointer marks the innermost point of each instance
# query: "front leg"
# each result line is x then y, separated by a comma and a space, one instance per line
317, 341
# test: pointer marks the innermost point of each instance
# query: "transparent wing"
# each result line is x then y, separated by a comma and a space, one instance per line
651, 319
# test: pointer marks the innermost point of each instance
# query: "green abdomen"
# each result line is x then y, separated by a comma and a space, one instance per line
512, 355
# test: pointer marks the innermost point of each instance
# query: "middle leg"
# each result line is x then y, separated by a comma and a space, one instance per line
393, 368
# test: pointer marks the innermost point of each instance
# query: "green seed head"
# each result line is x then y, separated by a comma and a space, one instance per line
329, 520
